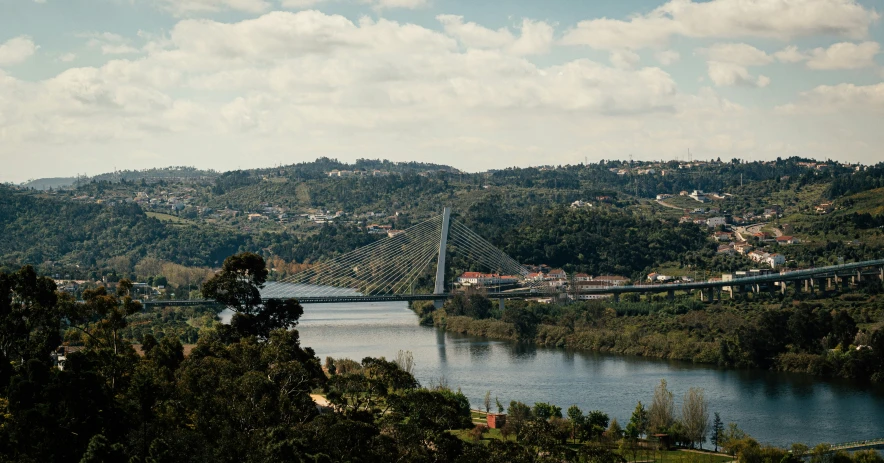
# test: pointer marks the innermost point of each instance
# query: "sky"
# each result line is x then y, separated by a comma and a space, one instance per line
91, 86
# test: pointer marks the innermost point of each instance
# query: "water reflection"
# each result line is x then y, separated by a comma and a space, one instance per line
774, 407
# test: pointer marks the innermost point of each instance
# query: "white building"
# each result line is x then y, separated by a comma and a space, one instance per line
713, 222
698, 195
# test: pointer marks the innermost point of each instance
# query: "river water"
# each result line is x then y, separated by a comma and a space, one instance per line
775, 408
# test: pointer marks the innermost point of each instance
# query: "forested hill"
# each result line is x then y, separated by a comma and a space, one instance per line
35, 230
603, 242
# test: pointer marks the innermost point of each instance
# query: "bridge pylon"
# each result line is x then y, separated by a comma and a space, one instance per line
440, 262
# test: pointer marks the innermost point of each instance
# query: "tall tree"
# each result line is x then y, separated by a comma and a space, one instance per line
695, 416
717, 431
661, 415
638, 422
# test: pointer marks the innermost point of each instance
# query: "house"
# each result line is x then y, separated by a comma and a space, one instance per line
578, 203
823, 208
726, 249
556, 274
481, 279
775, 260
664, 278
611, 280
392, 233
713, 222
762, 236
723, 236
787, 240
582, 277
698, 195
653, 276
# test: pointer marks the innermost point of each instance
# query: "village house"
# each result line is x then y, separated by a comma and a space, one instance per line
723, 236
713, 222
611, 280
787, 240
698, 195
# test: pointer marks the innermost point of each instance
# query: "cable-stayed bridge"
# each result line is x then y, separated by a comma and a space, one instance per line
390, 268
399, 268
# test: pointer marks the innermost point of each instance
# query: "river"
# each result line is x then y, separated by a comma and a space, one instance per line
775, 408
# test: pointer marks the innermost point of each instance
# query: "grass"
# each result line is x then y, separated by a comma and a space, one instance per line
167, 218
661, 456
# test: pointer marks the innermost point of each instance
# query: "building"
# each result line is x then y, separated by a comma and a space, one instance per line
713, 222
611, 280
485, 279
582, 277
787, 240
496, 420
723, 236
698, 195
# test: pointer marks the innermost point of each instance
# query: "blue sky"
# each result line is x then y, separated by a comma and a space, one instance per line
87, 86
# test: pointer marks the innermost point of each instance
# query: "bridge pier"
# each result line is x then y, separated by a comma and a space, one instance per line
616, 297
881, 273
501, 304
783, 286
670, 295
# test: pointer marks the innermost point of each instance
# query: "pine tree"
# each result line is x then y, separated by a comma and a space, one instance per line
717, 431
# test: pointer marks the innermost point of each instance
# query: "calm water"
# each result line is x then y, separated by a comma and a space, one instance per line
775, 408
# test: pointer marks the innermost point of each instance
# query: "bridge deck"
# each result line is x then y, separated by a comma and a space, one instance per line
798, 275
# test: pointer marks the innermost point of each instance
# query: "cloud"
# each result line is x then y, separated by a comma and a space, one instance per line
730, 74
736, 53
778, 19
841, 98
624, 59
536, 36
844, 55
407, 4
16, 50
190, 7
790, 54
67, 57
727, 64
109, 43
298, 4
667, 57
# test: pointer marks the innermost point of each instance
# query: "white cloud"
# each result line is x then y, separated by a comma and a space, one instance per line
844, 55
16, 50
667, 57
730, 74
407, 4
736, 53
779, 19
297, 4
190, 7
536, 36
728, 62
67, 57
624, 59
790, 54
841, 98
109, 43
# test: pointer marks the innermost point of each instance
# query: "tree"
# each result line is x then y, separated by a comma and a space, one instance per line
695, 416
717, 431
238, 286
638, 422
575, 415
487, 402
614, 432
661, 414
596, 423
545, 411
499, 405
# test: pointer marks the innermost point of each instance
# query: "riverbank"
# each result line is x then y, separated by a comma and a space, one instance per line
836, 337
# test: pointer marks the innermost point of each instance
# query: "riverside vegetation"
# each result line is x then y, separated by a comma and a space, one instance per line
838, 335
